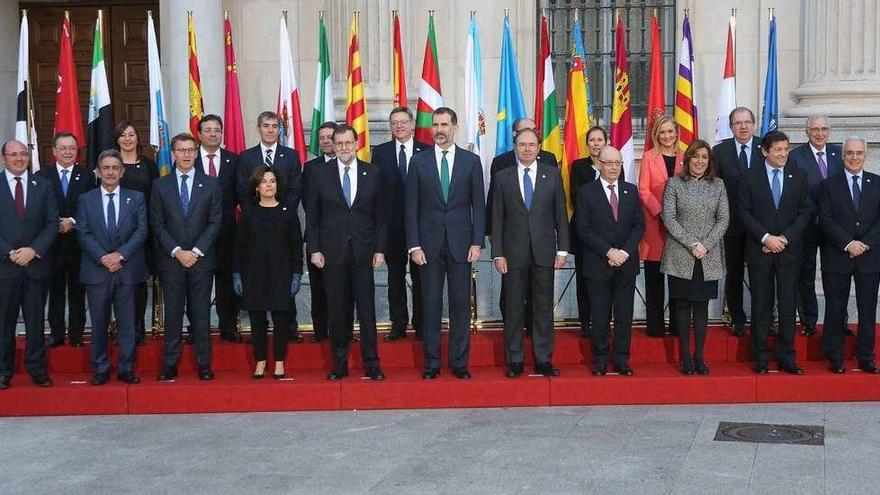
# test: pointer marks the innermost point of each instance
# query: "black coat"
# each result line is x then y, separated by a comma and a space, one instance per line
394, 191
841, 224
286, 163
227, 164
80, 180
507, 160
725, 159
598, 232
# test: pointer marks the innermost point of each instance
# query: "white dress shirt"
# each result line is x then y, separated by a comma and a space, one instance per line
189, 190
274, 149
69, 169
407, 150
748, 144
607, 191
105, 200
10, 179
533, 173
352, 176
450, 159
206, 166
849, 176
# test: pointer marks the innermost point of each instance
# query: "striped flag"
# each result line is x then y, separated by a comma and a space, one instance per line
770, 111
323, 110
577, 112
546, 113
101, 135
727, 98
24, 121
621, 109
288, 110
399, 72
474, 117
196, 107
233, 128
67, 115
656, 94
159, 136
510, 99
430, 94
355, 100
685, 96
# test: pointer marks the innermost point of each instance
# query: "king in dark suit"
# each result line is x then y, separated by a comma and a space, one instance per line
28, 225
529, 241
186, 217
112, 229
445, 231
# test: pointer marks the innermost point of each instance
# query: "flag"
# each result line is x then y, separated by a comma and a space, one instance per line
233, 127
546, 113
159, 137
67, 115
474, 117
430, 94
101, 132
510, 98
685, 96
24, 121
578, 48
355, 100
621, 110
727, 98
195, 81
577, 113
289, 113
399, 72
656, 95
770, 111
323, 110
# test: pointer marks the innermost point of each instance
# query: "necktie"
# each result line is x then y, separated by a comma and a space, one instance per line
857, 192
19, 198
64, 181
743, 159
444, 177
823, 167
184, 194
613, 201
346, 186
111, 215
401, 161
269, 157
212, 170
776, 187
528, 188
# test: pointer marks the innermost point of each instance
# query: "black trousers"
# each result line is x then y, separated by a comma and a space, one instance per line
836, 287
397, 300
781, 276
734, 251
457, 276
807, 302
352, 282
618, 292
583, 295
684, 313
119, 297
502, 305
260, 334
190, 289
525, 284
66, 291
225, 304
319, 301
655, 299
28, 295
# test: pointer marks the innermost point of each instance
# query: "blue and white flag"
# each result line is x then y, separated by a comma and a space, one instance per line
159, 137
770, 112
510, 99
474, 116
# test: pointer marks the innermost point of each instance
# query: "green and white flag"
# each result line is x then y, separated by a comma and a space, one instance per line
100, 133
323, 109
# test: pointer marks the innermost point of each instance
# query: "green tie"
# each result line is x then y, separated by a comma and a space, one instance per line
444, 177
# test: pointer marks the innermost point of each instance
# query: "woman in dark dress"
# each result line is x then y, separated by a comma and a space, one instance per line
139, 174
268, 266
696, 214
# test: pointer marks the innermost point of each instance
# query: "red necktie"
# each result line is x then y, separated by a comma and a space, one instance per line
212, 171
613, 201
19, 198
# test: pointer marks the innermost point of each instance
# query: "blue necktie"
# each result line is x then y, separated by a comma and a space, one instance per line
64, 182
184, 194
346, 186
401, 161
743, 159
111, 215
776, 187
528, 188
857, 192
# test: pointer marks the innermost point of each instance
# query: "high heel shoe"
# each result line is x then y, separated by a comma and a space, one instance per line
260, 375
278, 376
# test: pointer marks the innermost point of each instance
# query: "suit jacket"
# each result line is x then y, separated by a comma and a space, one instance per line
37, 230
725, 157
461, 220
308, 169
598, 232
333, 226
96, 241
227, 165
199, 229
394, 190
652, 182
286, 163
760, 216
79, 181
505, 161
841, 224
803, 157
529, 235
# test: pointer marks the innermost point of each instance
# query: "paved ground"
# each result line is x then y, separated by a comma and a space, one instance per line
607, 450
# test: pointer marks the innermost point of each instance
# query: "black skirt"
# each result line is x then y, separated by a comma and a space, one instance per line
696, 289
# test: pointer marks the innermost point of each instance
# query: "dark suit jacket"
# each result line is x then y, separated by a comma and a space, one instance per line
308, 169
227, 164
286, 163
760, 216
37, 230
523, 236
725, 157
199, 229
394, 190
582, 171
841, 224
803, 157
461, 220
598, 232
129, 239
80, 180
504, 161
333, 226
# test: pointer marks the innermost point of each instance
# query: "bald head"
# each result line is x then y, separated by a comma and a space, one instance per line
15, 157
610, 163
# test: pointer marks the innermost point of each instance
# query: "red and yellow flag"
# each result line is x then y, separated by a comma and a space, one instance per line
399, 72
621, 107
656, 94
355, 101
195, 82
233, 128
67, 113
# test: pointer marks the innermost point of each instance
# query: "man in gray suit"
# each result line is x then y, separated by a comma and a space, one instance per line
530, 239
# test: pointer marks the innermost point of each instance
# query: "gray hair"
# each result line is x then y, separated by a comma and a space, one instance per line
813, 118
109, 153
855, 138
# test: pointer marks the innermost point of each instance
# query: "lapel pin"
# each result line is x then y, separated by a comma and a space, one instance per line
127, 200
200, 185
363, 173
543, 176
280, 155
283, 208
625, 191
867, 180
76, 177
790, 176
227, 160
137, 166
34, 182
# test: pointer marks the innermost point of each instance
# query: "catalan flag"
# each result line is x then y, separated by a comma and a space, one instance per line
399, 72
355, 100
196, 108
685, 96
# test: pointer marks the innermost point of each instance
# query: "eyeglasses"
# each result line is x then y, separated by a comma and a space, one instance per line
612, 163
65, 148
742, 123
853, 153
345, 144
815, 130
185, 151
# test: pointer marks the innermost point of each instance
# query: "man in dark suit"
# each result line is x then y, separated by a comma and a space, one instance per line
445, 231
347, 238
529, 241
820, 160
849, 215
316, 282
610, 224
215, 161
68, 180
28, 225
393, 158
112, 229
774, 202
285, 162
186, 215
733, 157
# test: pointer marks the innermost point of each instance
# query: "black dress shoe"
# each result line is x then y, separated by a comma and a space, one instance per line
838, 368
42, 381
167, 374
761, 369
869, 368
848, 331
462, 373
623, 370
600, 370
738, 329
430, 373
76, 342
337, 375
129, 378
233, 337
315, 339
701, 369
392, 336
206, 374
53, 342
791, 368
546, 369
514, 370
375, 374
296, 338
277, 376
808, 330
4, 382
687, 369
100, 378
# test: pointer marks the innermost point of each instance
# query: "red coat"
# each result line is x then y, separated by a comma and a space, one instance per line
652, 183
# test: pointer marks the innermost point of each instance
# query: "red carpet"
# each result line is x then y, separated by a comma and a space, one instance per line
656, 380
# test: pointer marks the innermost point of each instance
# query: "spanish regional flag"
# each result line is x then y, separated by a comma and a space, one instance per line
355, 101
546, 114
656, 93
577, 113
288, 109
67, 115
196, 110
430, 93
399, 72
685, 96
233, 128
621, 109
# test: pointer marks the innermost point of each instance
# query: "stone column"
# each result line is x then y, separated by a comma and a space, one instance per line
9, 27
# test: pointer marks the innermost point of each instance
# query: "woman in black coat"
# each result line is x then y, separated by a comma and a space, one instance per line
268, 266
